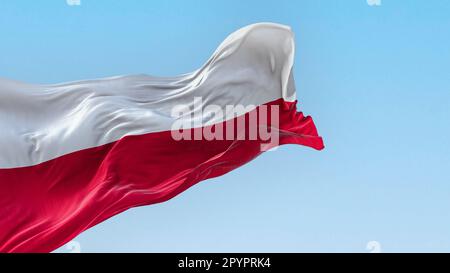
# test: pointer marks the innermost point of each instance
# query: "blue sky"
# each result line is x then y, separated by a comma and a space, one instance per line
376, 79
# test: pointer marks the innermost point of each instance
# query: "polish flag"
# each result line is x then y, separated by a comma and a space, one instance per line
75, 154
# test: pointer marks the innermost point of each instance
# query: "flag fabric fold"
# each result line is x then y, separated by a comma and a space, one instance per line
75, 154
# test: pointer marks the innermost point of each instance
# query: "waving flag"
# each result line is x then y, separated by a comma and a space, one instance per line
75, 154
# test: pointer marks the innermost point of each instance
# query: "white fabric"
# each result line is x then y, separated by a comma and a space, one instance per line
42, 122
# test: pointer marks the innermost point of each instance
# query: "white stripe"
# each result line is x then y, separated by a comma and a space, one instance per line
42, 122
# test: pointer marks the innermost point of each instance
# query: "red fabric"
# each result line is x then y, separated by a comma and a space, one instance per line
43, 207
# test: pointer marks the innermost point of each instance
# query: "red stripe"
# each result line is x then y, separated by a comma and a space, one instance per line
43, 207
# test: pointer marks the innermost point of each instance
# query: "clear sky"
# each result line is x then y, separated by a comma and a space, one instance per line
376, 80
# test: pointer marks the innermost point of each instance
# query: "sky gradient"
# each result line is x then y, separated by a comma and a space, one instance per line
376, 80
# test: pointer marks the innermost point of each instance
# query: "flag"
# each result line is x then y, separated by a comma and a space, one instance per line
75, 154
